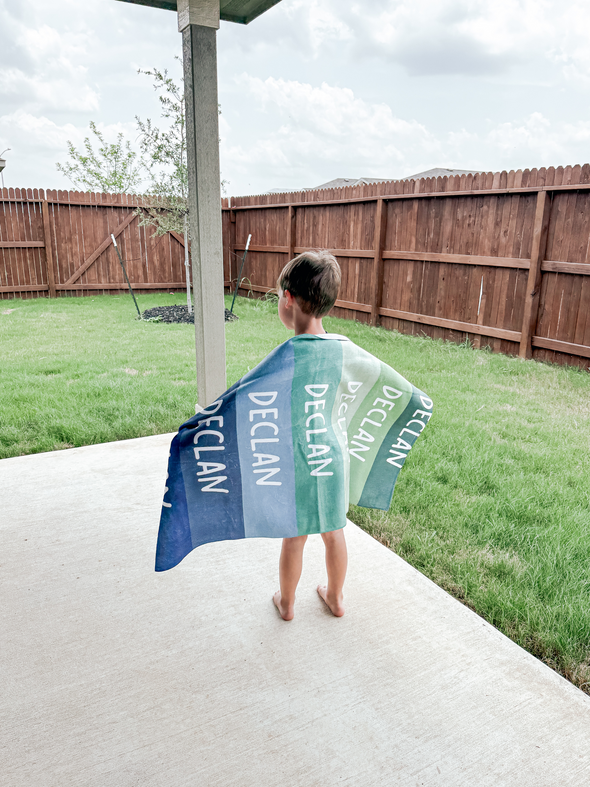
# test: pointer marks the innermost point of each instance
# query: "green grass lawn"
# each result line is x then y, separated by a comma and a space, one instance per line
77, 371
493, 503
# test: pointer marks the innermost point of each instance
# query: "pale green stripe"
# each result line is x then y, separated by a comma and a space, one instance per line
361, 461
358, 366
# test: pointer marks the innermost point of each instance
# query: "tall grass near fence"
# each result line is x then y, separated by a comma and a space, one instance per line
493, 503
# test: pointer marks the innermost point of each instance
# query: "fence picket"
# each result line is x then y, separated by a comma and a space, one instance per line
50, 270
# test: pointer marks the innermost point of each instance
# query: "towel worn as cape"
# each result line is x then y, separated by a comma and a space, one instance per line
318, 424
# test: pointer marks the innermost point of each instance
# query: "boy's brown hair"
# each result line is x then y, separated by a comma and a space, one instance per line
313, 278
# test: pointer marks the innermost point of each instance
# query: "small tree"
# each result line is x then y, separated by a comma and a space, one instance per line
167, 169
114, 168
166, 153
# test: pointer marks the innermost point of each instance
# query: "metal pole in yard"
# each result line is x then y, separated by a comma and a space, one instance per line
187, 267
240, 273
125, 274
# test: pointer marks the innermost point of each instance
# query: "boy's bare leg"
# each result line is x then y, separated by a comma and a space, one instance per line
290, 565
336, 565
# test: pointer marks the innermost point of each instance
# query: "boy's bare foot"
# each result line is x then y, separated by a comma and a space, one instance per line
335, 607
285, 612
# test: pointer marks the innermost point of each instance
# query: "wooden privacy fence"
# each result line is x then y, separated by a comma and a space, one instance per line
502, 259
58, 242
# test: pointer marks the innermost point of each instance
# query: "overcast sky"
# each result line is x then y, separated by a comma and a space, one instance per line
313, 89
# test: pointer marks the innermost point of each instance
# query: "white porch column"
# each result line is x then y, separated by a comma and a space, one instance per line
198, 21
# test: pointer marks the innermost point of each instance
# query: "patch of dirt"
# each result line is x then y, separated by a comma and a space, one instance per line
177, 313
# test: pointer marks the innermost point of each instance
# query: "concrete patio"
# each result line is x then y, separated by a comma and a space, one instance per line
115, 676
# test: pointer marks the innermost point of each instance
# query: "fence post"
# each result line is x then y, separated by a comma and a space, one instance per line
533, 289
233, 265
48, 249
379, 241
291, 230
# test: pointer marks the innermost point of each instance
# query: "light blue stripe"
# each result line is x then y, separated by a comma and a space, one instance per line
268, 497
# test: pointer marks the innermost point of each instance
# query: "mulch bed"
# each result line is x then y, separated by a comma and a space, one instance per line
177, 313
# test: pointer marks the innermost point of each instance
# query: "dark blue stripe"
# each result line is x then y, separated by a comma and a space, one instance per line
174, 536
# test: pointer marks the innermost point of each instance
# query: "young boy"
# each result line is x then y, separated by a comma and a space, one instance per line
308, 287
319, 424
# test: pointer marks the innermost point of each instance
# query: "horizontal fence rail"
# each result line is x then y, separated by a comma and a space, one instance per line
59, 242
502, 259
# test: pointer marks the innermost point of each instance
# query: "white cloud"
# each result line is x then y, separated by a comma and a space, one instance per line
321, 23
65, 63
315, 134
537, 139
467, 37
44, 92
63, 56
22, 130
470, 37
533, 141
51, 75
36, 143
319, 131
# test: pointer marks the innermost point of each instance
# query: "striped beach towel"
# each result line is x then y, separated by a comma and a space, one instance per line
319, 424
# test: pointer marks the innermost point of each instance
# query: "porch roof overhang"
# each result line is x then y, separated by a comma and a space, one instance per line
240, 11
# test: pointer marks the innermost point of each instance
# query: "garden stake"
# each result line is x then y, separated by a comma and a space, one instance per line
126, 277
240, 274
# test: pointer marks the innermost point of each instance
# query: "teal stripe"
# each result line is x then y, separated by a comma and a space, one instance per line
320, 479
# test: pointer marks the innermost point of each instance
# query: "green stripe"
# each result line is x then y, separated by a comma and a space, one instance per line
360, 372
388, 398
320, 498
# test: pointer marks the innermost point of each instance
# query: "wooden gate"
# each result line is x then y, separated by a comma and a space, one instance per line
60, 242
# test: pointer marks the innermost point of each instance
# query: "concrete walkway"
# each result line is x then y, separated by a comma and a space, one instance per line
114, 676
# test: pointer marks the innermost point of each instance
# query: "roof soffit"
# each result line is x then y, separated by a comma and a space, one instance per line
240, 11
